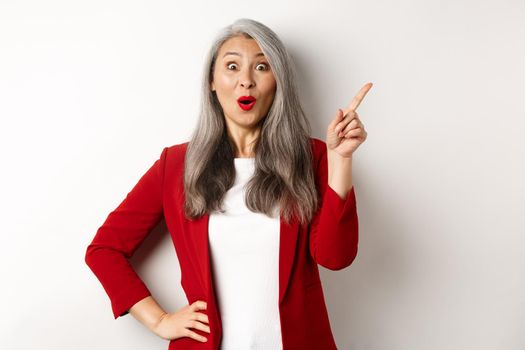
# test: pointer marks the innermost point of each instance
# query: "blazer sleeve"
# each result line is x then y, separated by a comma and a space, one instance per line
334, 228
121, 234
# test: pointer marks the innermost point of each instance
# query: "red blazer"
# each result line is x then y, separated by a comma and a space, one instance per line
329, 240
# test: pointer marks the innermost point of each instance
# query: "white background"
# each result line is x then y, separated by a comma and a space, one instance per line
92, 91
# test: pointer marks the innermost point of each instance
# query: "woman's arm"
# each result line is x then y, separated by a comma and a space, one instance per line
339, 173
334, 230
334, 227
121, 234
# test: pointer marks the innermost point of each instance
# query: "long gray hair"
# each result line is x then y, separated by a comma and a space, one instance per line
284, 174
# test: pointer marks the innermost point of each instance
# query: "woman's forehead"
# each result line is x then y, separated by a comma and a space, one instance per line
240, 46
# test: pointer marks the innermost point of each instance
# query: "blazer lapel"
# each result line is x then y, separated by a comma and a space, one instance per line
287, 247
203, 251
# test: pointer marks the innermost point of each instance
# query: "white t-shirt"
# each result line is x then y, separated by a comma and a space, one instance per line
244, 253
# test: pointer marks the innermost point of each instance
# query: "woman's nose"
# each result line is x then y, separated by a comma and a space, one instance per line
247, 80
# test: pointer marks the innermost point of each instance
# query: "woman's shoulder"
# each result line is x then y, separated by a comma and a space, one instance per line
173, 155
176, 150
318, 144
318, 147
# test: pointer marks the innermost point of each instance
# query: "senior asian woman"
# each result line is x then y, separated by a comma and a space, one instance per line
253, 205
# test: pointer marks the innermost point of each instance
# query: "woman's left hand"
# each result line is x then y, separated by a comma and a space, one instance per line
346, 132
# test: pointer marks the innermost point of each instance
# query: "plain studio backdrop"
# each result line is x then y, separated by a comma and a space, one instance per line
92, 91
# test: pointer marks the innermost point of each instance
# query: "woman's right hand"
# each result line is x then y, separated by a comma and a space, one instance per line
179, 324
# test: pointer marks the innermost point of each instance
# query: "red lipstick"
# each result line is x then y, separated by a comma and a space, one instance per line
246, 102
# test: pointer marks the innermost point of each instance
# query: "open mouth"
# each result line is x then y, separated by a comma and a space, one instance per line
246, 102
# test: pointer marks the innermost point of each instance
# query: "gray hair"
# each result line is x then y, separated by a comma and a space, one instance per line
284, 174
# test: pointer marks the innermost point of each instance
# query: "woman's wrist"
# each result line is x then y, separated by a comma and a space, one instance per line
339, 173
148, 312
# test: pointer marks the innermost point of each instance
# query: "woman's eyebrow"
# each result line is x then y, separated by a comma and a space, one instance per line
238, 54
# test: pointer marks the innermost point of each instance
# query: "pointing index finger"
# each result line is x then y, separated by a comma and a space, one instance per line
356, 101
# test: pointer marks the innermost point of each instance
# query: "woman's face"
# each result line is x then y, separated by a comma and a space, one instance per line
241, 69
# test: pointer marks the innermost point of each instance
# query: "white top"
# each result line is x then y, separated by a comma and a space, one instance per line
244, 251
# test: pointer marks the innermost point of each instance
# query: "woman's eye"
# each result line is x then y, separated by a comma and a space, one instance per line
264, 65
